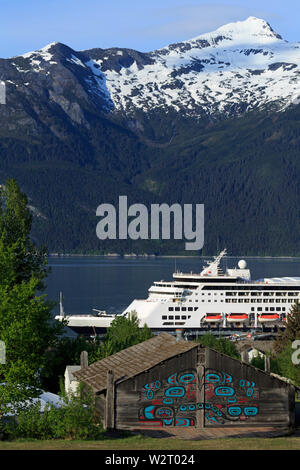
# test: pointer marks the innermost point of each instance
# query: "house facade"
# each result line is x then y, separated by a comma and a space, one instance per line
164, 382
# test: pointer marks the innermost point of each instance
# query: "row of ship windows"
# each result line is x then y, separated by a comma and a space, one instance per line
239, 294
183, 309
259, 301
253, 294
272, 309
233, 294
176, 317
247, 301
245, 288
252, 301
265, 294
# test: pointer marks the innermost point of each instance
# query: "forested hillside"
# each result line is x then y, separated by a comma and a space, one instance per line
245, 170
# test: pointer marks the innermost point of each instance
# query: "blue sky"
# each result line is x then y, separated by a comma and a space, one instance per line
144, 25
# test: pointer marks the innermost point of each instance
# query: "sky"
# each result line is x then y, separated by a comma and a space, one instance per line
144, 25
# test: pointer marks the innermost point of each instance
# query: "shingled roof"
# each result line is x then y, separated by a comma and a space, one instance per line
133, 361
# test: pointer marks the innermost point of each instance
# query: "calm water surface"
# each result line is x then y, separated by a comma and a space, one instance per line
111, 284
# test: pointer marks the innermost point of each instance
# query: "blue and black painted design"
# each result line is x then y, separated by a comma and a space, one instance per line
173, 401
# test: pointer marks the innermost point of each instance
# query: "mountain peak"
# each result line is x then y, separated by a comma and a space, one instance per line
253, 26
250, 30
48, 51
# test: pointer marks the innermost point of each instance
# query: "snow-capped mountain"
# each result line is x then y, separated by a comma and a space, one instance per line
238, 67
79, 128
241, 65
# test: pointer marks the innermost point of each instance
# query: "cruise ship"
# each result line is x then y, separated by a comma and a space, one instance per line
213, 299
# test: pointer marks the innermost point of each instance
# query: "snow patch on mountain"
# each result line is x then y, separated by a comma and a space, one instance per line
244, 64
98, 85
238, 67
76, 61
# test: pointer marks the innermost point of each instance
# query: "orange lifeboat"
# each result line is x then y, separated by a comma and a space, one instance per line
237, 317
265, 317
213, 317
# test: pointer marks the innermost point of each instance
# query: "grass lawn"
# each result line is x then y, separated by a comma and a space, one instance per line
146, 443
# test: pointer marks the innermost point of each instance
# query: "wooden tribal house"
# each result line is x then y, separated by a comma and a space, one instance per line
164, 382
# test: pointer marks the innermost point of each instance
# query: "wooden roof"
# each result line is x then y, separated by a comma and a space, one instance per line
133, 361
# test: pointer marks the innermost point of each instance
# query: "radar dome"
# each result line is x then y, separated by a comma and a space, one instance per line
242, 264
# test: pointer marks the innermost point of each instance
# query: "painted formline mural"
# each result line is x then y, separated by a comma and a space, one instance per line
173, 402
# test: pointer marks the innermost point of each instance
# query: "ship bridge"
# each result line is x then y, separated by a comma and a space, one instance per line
212, 273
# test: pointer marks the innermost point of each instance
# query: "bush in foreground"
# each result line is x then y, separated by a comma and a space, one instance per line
75, 419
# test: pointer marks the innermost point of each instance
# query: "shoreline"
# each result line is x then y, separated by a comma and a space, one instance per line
152, 256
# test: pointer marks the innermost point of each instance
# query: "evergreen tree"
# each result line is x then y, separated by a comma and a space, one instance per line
123, 333
283, 346
26, 325
20, 259
292, 330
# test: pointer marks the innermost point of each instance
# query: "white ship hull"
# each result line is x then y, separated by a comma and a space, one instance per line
208, 300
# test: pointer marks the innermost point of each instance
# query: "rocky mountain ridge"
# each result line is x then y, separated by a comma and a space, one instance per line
239, 67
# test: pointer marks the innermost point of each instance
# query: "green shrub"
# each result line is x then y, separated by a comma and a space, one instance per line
258, 362
223, 345
285, 366
75, 419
